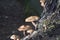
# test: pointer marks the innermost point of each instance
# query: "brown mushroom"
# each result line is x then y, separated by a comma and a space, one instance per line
30, 31
32, 19
42, 3
15, 37
24, 28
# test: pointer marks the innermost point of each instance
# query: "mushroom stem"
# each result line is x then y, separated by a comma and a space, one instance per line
14, 39
34, 24
24, 33
18, 39
30, 33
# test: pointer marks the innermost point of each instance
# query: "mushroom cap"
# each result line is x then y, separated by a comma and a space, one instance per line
13, 37
24, 27
30, 31
42, 3
31, 19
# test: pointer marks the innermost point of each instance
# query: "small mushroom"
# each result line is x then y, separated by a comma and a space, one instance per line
45, 27
32, 19
30, 31
15, 37
24, 28
42, 3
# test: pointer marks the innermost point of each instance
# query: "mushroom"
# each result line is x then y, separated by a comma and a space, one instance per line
15, 37
32, 19
42, 3
24, 28
45, 27
30, 31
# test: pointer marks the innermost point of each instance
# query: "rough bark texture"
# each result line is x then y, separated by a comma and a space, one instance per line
50, 17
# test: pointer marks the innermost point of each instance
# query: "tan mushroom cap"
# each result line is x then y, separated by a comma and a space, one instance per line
30, 31
24, 27
13, 37
42, 3
31, 18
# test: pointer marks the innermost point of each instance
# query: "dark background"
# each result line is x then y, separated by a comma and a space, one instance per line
11, 17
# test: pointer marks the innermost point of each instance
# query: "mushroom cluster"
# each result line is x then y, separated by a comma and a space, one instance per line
26, 28
32, 19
